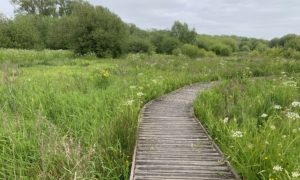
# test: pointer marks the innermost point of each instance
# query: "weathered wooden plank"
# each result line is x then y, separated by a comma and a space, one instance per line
172, 144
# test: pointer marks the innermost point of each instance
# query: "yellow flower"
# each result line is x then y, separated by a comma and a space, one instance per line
265, 158
105, 73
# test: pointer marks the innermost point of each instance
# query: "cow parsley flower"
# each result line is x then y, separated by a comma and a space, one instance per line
277, 168
273, 127
237, 134
295, 174
296, 104
292, 115
129, 102
140, 94
264, 115
278, 107
225, 120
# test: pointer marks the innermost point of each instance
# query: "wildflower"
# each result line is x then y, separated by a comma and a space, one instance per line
278, 107
290, 83
264, 115
129, 102
237, 134
140, 94
132, 87
105, 73
225, 120
295, 174
273, 127
277, 168
296, 104
292, 115
266, 158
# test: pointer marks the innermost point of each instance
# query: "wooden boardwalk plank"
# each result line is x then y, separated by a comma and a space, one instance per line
172, 144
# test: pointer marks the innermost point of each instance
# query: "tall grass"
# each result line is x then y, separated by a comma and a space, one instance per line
257, 125
76, 117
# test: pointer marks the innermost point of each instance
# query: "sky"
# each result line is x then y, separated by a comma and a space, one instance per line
252, 18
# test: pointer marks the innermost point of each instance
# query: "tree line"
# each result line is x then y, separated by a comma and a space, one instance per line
77, 25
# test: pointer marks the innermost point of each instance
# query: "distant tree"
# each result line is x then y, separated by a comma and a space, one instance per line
293, 44
182, 32
5, 41
60, 34
42, 7
284, 39
274, 42
46, 7
23, 33
98, 30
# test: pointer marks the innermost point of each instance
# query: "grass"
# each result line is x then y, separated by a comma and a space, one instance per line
250, 121
72, 117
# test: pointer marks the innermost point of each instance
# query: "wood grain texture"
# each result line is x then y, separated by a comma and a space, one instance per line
172, 144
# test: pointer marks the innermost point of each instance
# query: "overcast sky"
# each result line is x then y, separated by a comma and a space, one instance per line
253, 18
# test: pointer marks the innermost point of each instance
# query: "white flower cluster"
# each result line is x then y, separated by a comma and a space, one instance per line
277, 168
293, 115
140, 94
237, 134
129, 102
295, 174
278, 107
296, 104
264, 115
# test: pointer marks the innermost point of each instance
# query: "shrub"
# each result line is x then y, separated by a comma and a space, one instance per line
139, 46
98, 30
245, 48
222, 50
169, 44
192, 51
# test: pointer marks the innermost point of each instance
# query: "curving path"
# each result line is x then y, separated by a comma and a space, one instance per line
172, 144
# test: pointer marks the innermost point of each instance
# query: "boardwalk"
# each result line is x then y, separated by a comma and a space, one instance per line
173, 145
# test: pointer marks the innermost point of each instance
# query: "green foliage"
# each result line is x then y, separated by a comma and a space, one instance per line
45, 7
221, 49
99, 31
256, 110
182, 32
66, 117
24, 34
163, 42
60, 34
139, 46
192, 51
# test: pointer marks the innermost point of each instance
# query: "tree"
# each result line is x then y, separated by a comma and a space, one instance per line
42, 7
182, 32
98, 30
46, 7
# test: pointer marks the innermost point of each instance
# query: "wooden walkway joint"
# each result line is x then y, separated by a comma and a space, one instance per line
172, 144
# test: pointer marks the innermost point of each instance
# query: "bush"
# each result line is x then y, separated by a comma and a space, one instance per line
169, 44
222, 50
23, 33
139, 46
60, 33
192, 51
245, 48
98, 30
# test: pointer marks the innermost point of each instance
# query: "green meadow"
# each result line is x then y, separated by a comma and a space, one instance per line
64, 116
